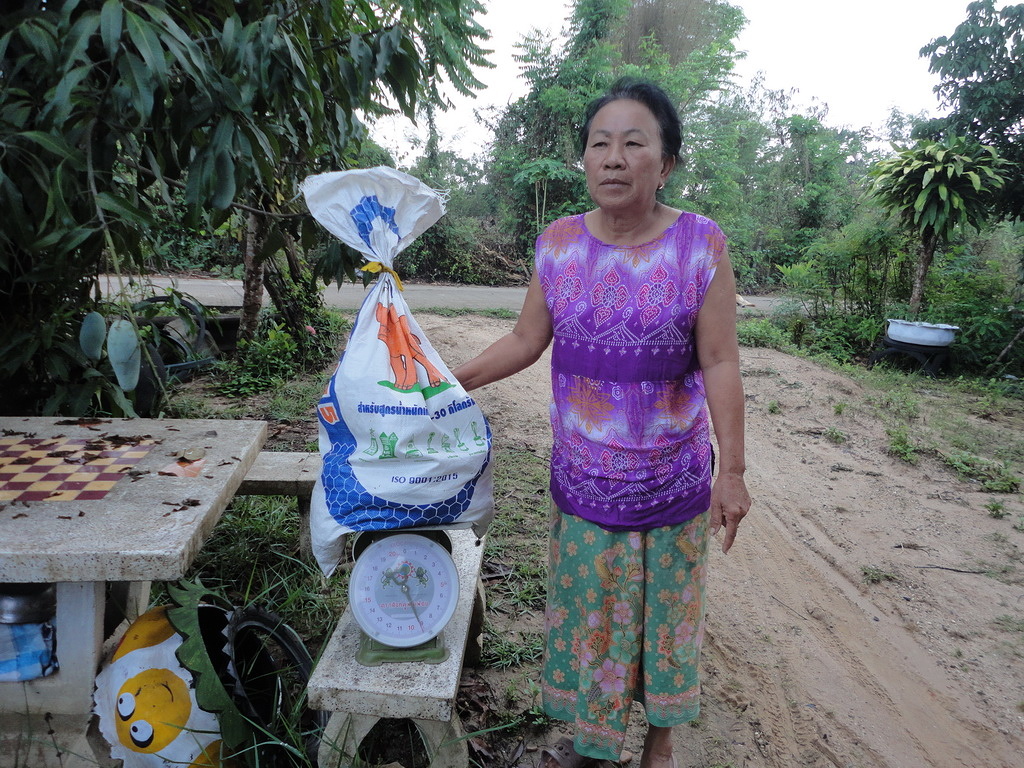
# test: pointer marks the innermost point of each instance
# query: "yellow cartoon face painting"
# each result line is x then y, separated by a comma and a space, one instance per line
152, 709
145, 700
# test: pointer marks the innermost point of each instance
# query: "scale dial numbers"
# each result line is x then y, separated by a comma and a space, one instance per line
403, 589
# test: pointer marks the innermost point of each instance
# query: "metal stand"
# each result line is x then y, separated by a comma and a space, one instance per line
932, 359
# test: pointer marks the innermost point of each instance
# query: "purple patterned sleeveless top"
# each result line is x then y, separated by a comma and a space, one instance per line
632, 448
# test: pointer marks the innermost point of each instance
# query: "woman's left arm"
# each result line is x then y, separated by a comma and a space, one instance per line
719, 356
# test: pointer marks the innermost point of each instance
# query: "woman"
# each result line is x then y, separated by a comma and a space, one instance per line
639, 299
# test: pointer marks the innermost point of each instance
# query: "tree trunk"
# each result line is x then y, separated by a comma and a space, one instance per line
282, 294
295, 296
252, 280
925, 254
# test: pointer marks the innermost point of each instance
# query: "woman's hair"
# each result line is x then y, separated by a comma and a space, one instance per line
652, 97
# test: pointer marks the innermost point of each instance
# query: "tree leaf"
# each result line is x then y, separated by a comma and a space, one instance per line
123, 208
50, 142
111, 26
224, 180
146, 41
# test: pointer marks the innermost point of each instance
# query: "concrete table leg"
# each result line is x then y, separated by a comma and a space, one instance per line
345, 732
78, 626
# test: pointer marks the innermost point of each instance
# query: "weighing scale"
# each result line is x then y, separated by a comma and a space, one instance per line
402, 592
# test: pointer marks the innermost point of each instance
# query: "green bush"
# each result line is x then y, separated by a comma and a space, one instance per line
842, 337
261, 363
760, 333
443, 252
974, 294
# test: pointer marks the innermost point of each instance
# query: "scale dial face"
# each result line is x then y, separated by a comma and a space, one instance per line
403, 589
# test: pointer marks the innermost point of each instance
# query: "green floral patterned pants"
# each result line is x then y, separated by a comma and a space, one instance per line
625, 620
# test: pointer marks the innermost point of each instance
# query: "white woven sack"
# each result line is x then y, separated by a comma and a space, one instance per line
403, 444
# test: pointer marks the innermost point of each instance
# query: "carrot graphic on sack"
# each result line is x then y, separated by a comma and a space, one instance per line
404, 349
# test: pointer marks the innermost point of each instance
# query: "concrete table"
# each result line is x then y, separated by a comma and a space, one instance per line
106, 507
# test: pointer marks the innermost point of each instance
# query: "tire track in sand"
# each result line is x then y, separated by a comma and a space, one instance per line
826, 670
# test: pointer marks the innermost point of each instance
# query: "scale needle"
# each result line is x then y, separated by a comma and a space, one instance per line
412, 604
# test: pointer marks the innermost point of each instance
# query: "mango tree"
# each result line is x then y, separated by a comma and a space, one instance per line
982, 82
934, 187
115, 116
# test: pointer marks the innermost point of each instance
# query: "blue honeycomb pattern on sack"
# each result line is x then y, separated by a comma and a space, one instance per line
351, 505
366, 212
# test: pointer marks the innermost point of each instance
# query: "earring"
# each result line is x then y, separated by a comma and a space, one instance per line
661, 186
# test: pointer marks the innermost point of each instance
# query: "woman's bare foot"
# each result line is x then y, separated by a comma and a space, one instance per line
562, 754
658, 748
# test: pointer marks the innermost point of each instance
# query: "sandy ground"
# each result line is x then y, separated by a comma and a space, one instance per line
805, 663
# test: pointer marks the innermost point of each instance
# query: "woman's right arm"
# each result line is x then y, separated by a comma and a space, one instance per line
514, 351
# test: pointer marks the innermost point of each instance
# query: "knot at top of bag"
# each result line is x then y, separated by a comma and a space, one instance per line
377, 211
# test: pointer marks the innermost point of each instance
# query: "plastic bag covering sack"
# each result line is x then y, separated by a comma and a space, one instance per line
403, 444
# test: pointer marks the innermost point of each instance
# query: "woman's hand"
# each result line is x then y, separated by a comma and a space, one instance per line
729, 504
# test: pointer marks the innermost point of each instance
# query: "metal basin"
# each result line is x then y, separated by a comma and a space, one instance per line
27, 603
925, 334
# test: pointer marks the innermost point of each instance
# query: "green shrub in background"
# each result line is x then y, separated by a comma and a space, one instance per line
978, 298
841, 337
849, 280
760, 333
260, 364
274, 355
444, 252
838, 336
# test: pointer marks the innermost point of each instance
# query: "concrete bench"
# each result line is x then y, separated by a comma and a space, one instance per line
359, 696
286, 474
282, 474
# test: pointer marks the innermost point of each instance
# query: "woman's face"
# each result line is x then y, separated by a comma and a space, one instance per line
623, 158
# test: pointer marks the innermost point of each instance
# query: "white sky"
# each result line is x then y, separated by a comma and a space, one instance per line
860, 58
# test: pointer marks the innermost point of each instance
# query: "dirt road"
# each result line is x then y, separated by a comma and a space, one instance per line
869, 615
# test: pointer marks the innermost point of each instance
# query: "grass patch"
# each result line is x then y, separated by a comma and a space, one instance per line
295, 399
760, 333
898, 403
973, 426
189, 404
754, 372
1008, 623
996, 509
874, 575
252, 558
993, 476
517, 539
506, 650
975, 435
901, 446
834, 435
1004, 573
498, 314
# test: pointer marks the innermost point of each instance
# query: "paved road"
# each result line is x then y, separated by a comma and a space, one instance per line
213, 292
